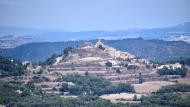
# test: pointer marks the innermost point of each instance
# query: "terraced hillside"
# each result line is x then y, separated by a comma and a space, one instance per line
107, 62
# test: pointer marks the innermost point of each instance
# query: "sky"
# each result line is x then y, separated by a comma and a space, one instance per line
84, 15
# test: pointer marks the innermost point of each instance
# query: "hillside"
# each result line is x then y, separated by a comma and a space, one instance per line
105, 61
37, 51
156, 50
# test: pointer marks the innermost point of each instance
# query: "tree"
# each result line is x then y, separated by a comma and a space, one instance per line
86, 73
101, 47
135, 98
25, 93
108, 64
64, 88
118, 71
50, 60
140, 78
30, 85
67, 50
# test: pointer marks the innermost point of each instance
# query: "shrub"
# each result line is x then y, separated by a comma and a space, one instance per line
173, 71
109, 64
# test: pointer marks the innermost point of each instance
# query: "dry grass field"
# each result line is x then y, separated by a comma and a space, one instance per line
122, 97
68, 96
182, 80
152, 86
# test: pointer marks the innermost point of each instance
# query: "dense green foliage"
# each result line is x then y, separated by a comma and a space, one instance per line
167, 100
155, 50
92, 85
57, 101
173, 71
35, 98
108, 64
10, 67
169, 96
52, 59
9, 95
175, 88
67, 50
116, 89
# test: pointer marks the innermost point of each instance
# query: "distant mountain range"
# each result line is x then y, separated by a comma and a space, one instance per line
11, 41
20, 31
156, 50
173, 33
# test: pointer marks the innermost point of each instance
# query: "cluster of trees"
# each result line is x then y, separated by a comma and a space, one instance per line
67, 50
11, 67
31, 97
90, 85
56, 101
169, 96
166, 100
9, 94
132, 67
175, 88
52, 59
173, 71
108, 64
116, 89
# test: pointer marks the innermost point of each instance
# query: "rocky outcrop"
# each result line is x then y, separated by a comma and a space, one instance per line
113, 52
